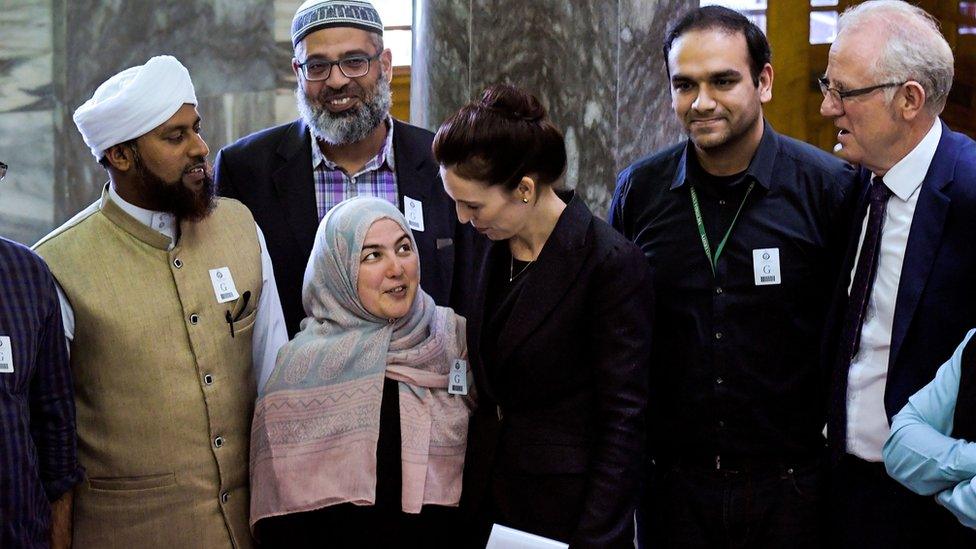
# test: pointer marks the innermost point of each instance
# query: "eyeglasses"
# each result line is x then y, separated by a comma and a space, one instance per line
3, 171
353, 66
838, 96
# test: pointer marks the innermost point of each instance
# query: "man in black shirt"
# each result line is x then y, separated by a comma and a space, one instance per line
744, 231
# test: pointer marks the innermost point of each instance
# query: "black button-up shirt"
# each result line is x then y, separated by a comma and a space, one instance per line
38, 461
736, 365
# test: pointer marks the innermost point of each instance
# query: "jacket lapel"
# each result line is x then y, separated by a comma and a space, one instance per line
295, 184
923, 239
557, 267
476, 320
415, 168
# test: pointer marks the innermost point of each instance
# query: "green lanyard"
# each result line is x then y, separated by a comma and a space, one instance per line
713, 261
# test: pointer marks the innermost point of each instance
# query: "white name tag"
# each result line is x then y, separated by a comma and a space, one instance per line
457, 382
765, 266
413, 210
6, 356
223, 285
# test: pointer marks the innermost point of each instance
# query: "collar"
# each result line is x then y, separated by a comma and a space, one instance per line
906, 176
760, 167
161, 222
385, 155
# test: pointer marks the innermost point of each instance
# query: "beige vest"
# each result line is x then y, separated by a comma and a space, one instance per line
164, 393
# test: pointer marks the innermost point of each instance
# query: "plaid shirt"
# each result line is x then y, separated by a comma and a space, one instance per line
377, 178
38, 460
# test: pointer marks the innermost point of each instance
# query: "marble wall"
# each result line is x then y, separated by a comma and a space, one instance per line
596, 65
54, 53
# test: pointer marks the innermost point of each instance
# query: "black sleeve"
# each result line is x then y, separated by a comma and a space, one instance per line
226, 186
620, 336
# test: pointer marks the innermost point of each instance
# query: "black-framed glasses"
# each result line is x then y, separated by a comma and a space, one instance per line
3, 171
353, 66
838, 96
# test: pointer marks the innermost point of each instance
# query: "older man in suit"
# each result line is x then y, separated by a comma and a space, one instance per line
907, 296
345, 144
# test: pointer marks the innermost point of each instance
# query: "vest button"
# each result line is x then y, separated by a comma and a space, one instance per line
194, 319
218, 442
224, 496
208, 379
178, 263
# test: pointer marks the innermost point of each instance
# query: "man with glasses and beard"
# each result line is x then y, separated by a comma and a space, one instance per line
170, 311
344, 144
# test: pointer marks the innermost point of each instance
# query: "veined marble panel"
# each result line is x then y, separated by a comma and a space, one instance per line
566, 54
440, 78
646, 120
27, 193
227, 45
25, 55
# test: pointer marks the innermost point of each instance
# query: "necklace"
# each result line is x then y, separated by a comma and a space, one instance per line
512, 275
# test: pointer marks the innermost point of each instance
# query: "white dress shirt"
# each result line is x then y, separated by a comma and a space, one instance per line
867, 421
269, 325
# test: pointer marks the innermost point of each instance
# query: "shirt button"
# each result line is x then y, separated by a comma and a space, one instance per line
194, 319
718, 291
719, 380
218, 442
178, 263
224, 496
208, 379
718, 335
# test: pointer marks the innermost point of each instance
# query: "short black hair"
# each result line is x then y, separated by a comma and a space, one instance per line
731, 21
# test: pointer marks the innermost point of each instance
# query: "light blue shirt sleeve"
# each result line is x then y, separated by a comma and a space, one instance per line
919, 453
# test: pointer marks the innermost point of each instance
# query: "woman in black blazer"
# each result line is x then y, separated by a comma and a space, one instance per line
558, 336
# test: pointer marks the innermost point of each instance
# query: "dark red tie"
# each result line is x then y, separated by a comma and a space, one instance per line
857, 306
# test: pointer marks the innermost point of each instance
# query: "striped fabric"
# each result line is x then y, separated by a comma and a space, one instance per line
376, 178
38, 460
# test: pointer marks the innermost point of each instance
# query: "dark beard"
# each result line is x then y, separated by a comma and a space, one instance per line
176, 198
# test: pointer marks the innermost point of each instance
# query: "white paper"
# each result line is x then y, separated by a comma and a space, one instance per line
503, 537
765, 266
223, 285
413, 210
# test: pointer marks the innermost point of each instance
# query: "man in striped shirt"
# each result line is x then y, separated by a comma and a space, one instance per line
38, 448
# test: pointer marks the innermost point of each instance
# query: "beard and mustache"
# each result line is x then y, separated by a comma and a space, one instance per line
349, 126
175, 197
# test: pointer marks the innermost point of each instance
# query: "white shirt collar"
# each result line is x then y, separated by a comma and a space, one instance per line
161, 222
905, 177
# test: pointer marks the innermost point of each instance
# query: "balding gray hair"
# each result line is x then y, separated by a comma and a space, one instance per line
915, 48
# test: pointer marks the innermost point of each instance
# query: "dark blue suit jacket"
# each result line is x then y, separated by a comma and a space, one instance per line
936, 302
271, 173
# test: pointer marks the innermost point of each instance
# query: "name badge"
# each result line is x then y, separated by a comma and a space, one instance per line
413, 210
6, 356
457, 383
223, 285
765, 266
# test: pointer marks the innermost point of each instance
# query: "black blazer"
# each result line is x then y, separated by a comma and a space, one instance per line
936, 301
271, 173
564, 460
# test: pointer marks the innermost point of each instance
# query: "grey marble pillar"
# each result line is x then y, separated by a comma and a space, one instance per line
596, 65
54, 53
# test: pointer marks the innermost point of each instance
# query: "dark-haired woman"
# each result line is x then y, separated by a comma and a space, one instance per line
558, 337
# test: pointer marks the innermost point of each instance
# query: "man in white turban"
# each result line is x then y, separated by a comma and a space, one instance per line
171, 314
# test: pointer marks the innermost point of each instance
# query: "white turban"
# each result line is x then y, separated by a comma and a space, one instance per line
134, 102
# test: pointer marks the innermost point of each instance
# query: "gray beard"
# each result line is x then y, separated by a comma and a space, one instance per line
347, 127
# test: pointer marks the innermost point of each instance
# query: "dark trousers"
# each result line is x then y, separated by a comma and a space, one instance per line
869, 509
774, 507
